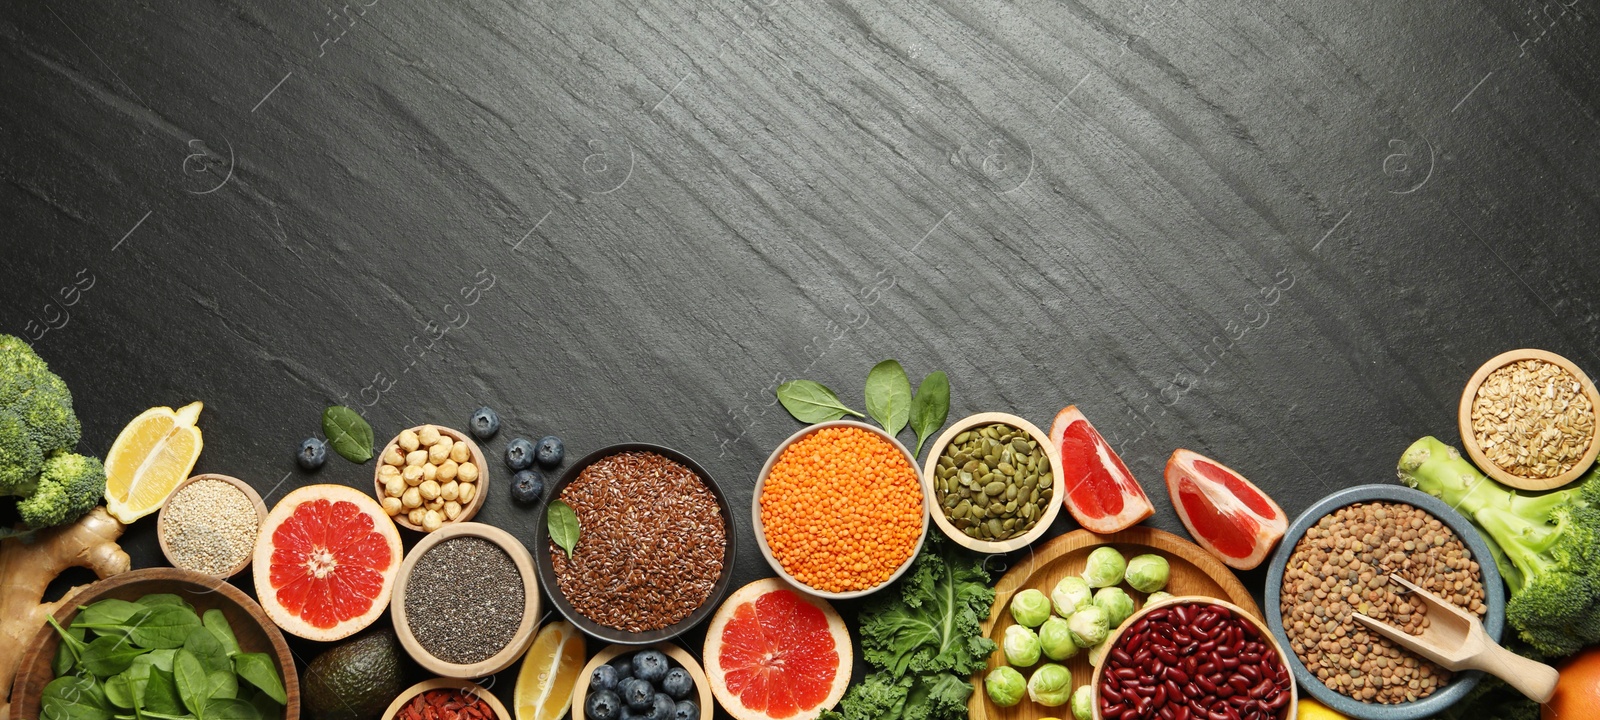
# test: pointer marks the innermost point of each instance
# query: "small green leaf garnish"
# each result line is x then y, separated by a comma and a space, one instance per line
348, 433
563, 524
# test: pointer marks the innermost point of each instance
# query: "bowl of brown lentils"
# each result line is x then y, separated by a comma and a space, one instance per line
1335, 561
1527, 419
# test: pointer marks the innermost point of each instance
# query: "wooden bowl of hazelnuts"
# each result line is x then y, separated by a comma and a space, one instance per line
430, 476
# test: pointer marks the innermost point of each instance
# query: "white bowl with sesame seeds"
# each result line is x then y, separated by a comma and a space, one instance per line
209, 525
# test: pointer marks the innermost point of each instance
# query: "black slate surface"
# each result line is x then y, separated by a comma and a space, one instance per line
1281, 234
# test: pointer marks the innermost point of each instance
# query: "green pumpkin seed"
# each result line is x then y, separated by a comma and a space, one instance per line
994, 488
963, 438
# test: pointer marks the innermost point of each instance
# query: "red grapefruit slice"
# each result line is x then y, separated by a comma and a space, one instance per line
1228, 515
325, 562
1101, 493
772, 653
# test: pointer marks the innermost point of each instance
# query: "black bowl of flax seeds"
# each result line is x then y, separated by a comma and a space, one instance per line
655, 546
1335, 560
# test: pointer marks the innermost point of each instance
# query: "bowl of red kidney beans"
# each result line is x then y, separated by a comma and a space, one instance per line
1193, 658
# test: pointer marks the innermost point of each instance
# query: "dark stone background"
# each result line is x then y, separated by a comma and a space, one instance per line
1281, 234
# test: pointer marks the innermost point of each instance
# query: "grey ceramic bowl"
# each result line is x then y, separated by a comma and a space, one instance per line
1494, 599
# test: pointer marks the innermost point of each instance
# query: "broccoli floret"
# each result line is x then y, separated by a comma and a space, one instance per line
69, 486
38, 430
1549, 540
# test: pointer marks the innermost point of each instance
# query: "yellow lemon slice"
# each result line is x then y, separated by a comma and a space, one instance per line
1308, 709
549, 672
151, 456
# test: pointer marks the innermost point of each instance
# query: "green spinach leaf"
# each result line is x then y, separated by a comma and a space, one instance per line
222, 683
348, 433
110, 611
563, 525
69, 652
930, 407
161, 693
888, 396
193, 685
165, 599
74, 698
119, 692
217, 623
231, 709
260, 670
107, 656
203, 644
812, 402
163, 626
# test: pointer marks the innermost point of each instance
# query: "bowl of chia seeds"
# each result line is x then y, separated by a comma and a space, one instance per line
655, 544
455, 606
1335, 561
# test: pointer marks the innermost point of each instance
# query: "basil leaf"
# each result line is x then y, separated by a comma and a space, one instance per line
930, 407
231, 709
812, 402
260, 670
161, 693
888, 396
163, 626
107, 656
348, 433
205, 648
563, 525
217, 623
192, 683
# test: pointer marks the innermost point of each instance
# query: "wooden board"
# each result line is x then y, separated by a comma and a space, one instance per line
1194, 572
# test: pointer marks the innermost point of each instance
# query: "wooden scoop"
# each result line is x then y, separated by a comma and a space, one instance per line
1455, 639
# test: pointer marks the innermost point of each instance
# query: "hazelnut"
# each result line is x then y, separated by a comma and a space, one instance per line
434, 504
439, 453
447, 470
415, 516
416, 457
394, 486
392, 456
387, 471
431, 520
429, 472
452, 510
411, 498
450, 490
392, 506
460, 453
408, 440
429, 489
467, 472
428, 435
466, 492
412, 474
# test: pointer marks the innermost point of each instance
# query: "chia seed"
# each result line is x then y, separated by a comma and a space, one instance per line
464, 600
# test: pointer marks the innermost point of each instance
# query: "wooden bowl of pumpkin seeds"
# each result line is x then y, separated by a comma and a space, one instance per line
1528, 419
993, 482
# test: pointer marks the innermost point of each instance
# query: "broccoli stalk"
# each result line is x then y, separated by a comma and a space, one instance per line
1544, 544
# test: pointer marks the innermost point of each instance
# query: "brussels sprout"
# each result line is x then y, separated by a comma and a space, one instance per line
1021, 646
1089, 626
1083, 703
1070, 594
1105, 567
1030, 607
1097, 654
1158, 596
1148, 573
1116, 603
1056, 640
1051, 685
1004, 685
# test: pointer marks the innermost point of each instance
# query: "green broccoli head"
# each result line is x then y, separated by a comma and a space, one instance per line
20, 459
69, 486
37, 396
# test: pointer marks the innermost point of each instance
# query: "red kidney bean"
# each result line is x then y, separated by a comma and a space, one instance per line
1112, 712
1206, 685
1126, 673
1121, 657
1239, 683
1262, 688
1176, 676
1250, 672
1173, 691
1181, 713
1229, 662
1167, 656
1159, 698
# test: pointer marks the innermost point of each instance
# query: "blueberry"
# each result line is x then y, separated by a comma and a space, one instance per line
519, 454
662, 707
312, 454
629, 714
527, 486
602, 705
686, 710
650, 665
484, 423
677, 683
624, 666
638, 694
550, 451
604, 678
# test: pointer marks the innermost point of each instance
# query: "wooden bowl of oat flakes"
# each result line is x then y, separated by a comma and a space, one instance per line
1527, 419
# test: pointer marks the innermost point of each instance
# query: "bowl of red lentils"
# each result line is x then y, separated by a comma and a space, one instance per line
655, 544
1527, 419
838, 509
1335, 560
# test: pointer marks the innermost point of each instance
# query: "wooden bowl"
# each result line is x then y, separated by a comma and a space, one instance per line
937, 511
1193, 572
547, 570
1469, 439
244, 487
254, 631
469, 510
761, 534
702, 687
1289, 710
465, 686
530, 602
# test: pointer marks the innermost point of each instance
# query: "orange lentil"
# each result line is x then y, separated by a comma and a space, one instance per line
842, 509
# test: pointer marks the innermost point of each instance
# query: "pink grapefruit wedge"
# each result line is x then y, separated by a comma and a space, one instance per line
1228, 515
1101, 493
772, 653
325, 562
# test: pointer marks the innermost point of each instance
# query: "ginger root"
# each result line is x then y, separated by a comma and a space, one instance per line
26, 569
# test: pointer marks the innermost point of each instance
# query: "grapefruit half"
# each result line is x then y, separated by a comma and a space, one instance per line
325, 562
772, 653
1101, 493
1228, 515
